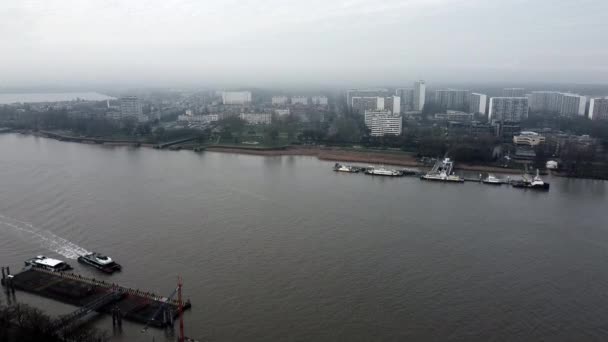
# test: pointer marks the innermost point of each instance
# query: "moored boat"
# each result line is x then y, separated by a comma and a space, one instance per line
100, 262
536, 183
48, 264
345, 168
381, 171
492, 180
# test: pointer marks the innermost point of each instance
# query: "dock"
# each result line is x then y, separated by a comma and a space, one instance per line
97, 295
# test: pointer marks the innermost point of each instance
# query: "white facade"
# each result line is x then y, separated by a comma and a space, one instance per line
396, 104
236, 97
383, 123
419, 96
477, 103
299, 100
549, 101
598, 109
319, 100
572, 105
565, 104
279, 100
256, 118
457, 99
508, 109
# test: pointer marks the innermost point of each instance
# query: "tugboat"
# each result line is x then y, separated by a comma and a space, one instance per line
345, 168
381, 171
100, 262
492, 180
48, 264
536, 183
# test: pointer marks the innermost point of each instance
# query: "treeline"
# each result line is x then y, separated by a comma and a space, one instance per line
23, 323
59, 119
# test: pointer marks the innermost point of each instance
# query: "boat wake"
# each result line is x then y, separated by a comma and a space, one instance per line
45, 238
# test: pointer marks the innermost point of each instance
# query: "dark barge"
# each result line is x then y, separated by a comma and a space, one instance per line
132, 304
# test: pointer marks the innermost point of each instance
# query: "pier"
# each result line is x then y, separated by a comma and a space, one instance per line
92, 295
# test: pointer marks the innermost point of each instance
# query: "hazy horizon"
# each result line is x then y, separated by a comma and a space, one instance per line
277, 43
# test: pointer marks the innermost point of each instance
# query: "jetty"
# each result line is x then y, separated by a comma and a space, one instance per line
92, 295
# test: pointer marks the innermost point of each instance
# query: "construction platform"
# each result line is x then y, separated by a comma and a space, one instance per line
133, 304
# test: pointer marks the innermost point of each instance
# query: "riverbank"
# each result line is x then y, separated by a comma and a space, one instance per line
335, 154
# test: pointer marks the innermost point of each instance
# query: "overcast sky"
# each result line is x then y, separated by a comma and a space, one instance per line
275, 42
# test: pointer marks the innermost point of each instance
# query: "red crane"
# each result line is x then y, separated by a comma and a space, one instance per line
180, 310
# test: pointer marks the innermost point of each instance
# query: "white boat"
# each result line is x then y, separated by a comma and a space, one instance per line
442, 177
345, 168
381, 171
48, 264
492, 180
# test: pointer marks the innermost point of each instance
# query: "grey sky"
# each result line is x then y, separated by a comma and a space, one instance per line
313, 41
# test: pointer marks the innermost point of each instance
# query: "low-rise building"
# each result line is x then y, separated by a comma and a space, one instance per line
256, 118
319, 100
528, 138
279, 100
208, 118
299, 100
454, 115
282, 112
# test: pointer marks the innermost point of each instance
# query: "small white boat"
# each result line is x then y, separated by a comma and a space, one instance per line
492, 180
381, 171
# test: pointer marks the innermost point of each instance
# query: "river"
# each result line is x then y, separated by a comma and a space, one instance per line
284, 249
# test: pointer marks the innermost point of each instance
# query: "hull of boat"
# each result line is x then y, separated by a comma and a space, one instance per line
104, 268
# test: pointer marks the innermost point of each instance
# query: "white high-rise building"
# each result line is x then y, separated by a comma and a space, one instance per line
130, 107
513, 92
406, 96
299, 100
319, 100
545, 101
565, 104
508, 109
598, 109
457, 99
477, 103
236, 97
419, 96
393, 104
572, 105
279, 100
383, 123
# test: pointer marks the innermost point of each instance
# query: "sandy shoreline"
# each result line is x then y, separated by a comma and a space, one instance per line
361, 157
